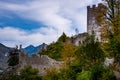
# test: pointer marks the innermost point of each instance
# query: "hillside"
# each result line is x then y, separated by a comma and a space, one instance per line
3, 55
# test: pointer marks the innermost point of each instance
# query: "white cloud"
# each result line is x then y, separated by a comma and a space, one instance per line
57, 15
14, 36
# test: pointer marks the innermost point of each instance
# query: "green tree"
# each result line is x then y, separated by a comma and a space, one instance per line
63, 38
90, 52
13, 57
71, 71
29, 73
54, 50
115, 45
84, 75
100, 72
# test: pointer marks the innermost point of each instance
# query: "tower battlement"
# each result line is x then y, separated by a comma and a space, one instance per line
94, 6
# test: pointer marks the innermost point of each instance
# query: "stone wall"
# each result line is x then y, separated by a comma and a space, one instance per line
42, 62
77, 40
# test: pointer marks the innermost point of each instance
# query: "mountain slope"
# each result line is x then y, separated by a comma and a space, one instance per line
32, 49
3, 55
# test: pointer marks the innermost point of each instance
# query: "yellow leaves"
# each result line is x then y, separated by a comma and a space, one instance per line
52, 74
116, 25
101, 11
68, 52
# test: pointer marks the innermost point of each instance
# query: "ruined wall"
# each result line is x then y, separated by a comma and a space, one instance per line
42, 62
78, 39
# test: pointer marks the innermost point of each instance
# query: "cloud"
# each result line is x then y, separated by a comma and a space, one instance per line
13, 36
58, 15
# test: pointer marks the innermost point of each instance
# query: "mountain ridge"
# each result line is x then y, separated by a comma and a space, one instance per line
32, 49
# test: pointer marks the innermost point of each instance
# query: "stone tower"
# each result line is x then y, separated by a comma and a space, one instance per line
93, 25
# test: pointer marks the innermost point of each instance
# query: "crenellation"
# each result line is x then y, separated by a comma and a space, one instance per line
94, 6
88, 7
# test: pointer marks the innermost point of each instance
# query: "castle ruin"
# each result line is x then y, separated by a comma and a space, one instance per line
44, 62
93, 26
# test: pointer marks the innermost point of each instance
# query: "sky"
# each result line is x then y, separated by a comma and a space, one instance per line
35, 22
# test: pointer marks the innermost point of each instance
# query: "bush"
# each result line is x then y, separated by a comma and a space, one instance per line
12, 76
115, 44
99, 72
29, 73
71, 71
52, 74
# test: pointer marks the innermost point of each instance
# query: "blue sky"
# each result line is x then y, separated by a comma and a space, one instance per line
36, 21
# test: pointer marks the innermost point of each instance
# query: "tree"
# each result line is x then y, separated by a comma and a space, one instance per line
13, 57
84, 75
99, 72
52, 74
68, 52
115, 45
29, 73
54, 50
113, 14
113, 17
90, 52
63, 38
